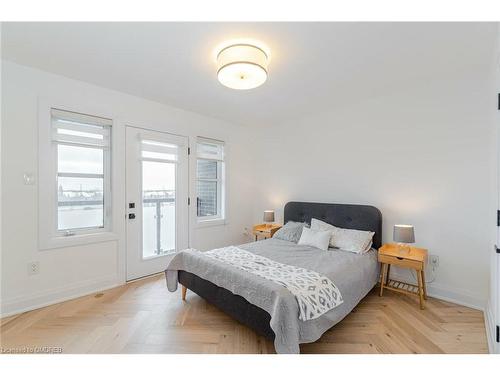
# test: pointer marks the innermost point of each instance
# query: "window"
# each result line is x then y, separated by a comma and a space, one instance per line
81, 149
210, 179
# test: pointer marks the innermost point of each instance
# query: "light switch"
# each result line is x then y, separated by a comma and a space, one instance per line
29, 179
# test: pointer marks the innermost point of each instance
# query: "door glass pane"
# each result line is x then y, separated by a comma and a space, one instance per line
80, 203
77, 159
158, 208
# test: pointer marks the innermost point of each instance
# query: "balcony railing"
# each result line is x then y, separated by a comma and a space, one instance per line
157, 202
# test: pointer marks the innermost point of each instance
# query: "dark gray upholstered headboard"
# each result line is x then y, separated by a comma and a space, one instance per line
350, 216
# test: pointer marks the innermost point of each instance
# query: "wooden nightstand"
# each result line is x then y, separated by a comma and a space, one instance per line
265, 230
415, 259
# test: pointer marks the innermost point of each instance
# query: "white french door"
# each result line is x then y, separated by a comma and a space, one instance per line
157, 199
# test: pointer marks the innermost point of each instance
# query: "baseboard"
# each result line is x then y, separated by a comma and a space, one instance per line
35, 301
459, 297
489, 322
445, 293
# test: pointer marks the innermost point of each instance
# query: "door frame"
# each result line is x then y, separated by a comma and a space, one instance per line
494, 297
185, 242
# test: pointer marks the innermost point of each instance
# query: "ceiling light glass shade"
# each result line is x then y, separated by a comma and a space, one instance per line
242, 66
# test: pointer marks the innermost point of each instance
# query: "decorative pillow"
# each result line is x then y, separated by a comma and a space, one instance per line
318, 239
356, 241
368, 247
291, 231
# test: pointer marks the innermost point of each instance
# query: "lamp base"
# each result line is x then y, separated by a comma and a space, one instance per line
404, 249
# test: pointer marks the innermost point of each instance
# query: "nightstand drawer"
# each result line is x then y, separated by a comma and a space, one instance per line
401, 262
263, 233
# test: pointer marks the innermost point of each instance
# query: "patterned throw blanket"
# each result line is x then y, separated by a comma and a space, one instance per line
315, 294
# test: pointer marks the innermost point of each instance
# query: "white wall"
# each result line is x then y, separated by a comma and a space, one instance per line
422, 155
68, 272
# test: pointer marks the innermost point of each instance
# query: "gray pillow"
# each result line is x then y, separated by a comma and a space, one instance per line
291, 231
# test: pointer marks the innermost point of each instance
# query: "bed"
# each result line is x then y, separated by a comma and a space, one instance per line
268, 308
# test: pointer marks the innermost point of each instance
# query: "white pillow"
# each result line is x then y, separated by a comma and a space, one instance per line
314, 238
356, 241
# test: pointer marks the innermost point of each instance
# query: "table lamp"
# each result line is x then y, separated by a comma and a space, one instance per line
268, 217
404, 235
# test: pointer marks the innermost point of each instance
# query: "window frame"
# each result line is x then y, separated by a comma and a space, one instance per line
220, 217
49, 236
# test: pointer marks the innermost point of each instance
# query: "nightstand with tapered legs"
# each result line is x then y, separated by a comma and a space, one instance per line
407, 257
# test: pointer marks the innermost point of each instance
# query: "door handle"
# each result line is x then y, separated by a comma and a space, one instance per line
131, 216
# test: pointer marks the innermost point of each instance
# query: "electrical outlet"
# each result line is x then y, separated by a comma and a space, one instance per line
434, 261
33, 268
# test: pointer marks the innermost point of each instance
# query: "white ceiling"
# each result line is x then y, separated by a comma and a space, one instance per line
314, 66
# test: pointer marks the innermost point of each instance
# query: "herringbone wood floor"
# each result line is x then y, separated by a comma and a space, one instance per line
143, 317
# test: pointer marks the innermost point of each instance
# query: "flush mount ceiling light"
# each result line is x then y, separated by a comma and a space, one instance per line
242, 65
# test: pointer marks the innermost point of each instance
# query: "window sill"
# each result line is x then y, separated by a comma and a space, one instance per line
210, 223
76, 240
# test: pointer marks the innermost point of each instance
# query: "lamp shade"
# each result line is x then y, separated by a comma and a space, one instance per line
242, 66
404, 233
268, 216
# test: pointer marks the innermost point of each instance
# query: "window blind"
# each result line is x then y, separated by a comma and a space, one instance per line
159, 150
79, 129
210, 149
